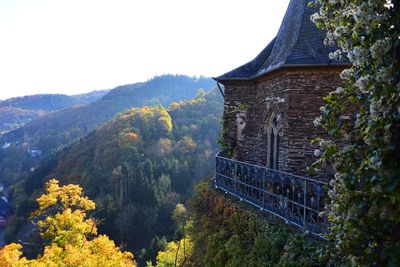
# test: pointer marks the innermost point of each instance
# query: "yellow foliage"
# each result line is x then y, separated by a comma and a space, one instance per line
186, 145
175, 254
166, 123
179, 214
150, 116
10, 255
68, 196
66, 228
164, 146
174, 105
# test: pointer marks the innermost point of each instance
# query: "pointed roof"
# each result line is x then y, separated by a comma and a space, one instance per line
298, 43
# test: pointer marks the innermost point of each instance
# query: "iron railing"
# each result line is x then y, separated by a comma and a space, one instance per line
295, 199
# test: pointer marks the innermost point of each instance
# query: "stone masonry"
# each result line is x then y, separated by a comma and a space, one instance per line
291, 95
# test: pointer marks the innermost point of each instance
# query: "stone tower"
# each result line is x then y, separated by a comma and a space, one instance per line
271, 101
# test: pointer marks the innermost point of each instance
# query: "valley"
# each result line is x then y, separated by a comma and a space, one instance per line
137, 151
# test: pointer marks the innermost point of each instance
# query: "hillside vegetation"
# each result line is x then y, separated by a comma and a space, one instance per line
56, 129
222, 232
136, 167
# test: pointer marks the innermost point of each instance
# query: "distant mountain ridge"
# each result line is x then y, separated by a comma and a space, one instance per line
45, 102
52, 102
16, 111
59, 128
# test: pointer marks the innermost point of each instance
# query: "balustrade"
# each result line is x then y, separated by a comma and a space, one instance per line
296, 199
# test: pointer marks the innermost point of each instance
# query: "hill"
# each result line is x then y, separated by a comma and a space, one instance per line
13, 117
17, 111
45, 102
136, 167
59, 128
92, 96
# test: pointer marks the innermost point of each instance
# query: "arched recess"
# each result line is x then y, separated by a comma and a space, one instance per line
272, 135
240, 125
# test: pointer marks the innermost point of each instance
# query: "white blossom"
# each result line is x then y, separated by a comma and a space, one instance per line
373, 108
315, 17
344, 118
359, 56
324, 144
383, 74
275, 100
380, 48
363, 82
374, 162
338, 175
317, 152
346, 74
318, 121
339, 90
336, 55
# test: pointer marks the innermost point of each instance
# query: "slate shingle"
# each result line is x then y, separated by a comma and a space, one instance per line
297, 43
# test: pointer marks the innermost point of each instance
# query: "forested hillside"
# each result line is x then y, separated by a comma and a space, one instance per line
12, 117
16, 111
45, 102
60, 128
136, 167
223, 232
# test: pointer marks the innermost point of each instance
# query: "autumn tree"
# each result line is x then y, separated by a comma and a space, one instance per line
71, 237
177, 253
363, 119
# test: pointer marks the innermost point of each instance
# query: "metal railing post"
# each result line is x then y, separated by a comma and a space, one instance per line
264, 189
305, 203
235, 176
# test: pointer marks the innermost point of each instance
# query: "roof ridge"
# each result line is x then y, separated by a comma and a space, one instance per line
299, 30
292, 13
298, 42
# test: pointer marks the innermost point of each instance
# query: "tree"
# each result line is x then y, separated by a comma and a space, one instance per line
71, 238
363, 121
177, 253
173, 255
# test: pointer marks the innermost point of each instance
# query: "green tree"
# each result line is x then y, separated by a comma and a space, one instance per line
363, 121
174, 255
71, 237
177, 253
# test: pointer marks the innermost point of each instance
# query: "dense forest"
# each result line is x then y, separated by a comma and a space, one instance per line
136, 167
59, 128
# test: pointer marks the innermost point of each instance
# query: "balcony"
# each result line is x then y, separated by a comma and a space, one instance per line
295, 199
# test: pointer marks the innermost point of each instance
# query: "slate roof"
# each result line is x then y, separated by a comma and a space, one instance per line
297, 43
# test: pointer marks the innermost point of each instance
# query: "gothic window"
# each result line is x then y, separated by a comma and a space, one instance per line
273, 145
240, 124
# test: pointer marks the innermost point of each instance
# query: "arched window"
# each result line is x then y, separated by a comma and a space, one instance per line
240, 124
273, 145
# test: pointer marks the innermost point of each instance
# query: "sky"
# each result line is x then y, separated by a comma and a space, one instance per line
76, 46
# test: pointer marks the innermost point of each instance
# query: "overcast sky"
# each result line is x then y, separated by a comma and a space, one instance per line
75, 46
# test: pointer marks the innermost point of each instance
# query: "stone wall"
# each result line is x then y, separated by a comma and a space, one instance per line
293, 96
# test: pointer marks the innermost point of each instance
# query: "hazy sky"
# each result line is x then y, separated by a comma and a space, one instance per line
74, 46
